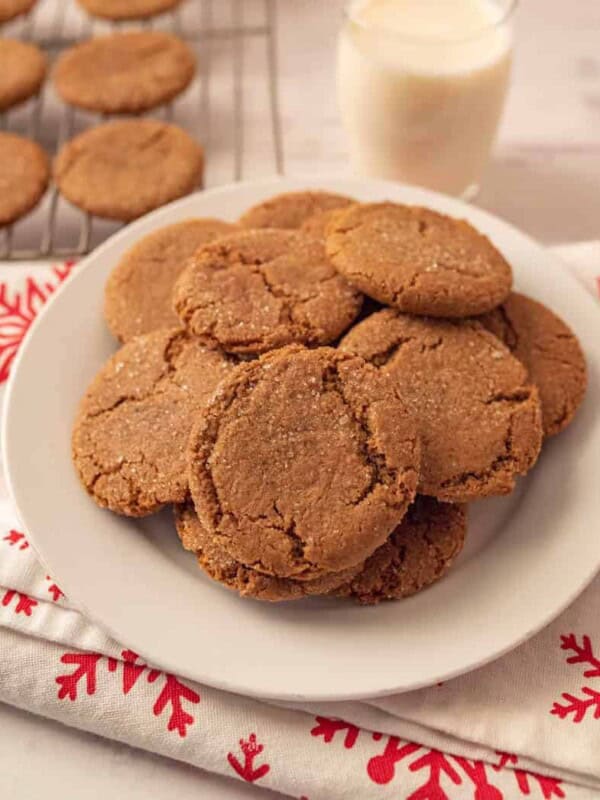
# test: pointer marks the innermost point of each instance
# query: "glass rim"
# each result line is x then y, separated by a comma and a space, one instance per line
505, 14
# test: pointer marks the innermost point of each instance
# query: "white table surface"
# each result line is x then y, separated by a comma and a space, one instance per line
545, 177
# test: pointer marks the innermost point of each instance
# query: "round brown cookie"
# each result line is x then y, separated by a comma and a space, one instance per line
478, 418
137, 296
549, 350
257, 290
303, 462
9, 9
134, 421
418, 553
127, 9
121, 170
24, 175
292, 209
418, 260
124, 73
22, 72
242, 579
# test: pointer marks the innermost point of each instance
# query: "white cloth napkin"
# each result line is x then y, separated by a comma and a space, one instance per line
527, 725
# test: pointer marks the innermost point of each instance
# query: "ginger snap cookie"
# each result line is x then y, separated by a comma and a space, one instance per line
291, 209
24, 175
9, 9
418, 260
418, 553
127, 9
244, 580
478, 417
22, 72
303, 462
549, 350
124, 73
137, 297
121, 170
133, 425
257, 290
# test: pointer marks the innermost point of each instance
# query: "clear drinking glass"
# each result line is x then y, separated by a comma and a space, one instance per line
421, 88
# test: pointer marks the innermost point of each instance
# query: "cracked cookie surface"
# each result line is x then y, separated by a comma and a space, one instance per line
291, 209
549, 350
240, 578
417, 260
137, 297
257, 290
121, 170
124, 73
303, 462
24, 175
130, 436
418, 553
478, 417
127, 9
22, 71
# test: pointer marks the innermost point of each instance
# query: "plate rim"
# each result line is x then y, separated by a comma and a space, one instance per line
286, 183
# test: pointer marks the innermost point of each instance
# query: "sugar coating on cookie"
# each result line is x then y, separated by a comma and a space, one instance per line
418, 553
549, 350
247, 582
22, 71
257, 290
478, 416
134, 421
418, 260
303, 462
24, 175
137, 297
121, 170
124, 72
291, 209
9, 9
127, 9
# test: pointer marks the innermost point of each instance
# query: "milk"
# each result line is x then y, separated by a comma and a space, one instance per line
421, 87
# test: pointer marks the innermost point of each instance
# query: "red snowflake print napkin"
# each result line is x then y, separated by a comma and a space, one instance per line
526, 726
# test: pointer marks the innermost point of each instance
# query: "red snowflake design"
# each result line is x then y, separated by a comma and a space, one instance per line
436, 767
24, 604
549, 787
16, 539
172, 695
53, 589
577, 707
87, 664
250, 749
327, 728
18, 309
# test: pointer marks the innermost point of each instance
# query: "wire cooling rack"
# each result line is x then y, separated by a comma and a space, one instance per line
231, 108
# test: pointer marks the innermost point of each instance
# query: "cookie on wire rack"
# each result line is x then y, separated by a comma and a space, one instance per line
24, 176
124, 73
123, 169
127, 9
22, 72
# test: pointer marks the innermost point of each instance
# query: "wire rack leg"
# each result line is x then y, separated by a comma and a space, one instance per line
271, 11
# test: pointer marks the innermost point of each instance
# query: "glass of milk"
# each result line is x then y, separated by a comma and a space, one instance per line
421, 88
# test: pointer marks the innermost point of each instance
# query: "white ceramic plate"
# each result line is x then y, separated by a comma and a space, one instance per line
527, 557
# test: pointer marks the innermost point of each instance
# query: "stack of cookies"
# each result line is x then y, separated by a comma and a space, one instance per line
319, 390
